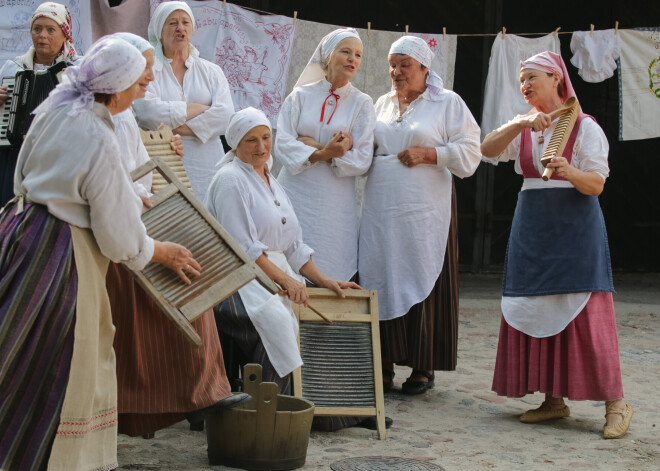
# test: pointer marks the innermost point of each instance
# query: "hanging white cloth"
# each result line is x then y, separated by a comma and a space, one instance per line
595, 54
503, 99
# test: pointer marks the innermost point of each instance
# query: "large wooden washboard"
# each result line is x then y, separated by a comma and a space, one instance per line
177, 216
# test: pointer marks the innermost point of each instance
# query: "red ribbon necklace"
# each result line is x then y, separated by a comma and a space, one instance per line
332, 93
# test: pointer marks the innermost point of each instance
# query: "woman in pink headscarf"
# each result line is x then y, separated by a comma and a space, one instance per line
558, 331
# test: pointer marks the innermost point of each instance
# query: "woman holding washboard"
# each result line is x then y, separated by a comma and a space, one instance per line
558, 331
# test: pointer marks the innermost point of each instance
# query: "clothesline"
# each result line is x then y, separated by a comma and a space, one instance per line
503, 31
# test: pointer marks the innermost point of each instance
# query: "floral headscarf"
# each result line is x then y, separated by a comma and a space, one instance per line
59, 14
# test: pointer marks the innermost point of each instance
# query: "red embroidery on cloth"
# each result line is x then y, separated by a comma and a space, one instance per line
82, 427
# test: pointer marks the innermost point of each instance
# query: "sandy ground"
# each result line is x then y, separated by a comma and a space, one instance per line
462, 425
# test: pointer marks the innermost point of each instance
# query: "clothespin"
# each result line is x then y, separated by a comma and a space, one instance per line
224, 3
616, 27
295, 16
406, 29
503, 32
444, 33
368, 27
592, 31
556, 31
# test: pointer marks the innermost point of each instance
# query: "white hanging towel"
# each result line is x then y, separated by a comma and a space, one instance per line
595, 54
639, 84
503, 99
274, 320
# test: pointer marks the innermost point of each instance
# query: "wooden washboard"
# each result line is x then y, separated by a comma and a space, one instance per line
177, 216
568, 115
341, 373
157, 144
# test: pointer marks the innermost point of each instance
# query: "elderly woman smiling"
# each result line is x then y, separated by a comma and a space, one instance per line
256, 211
423, 135
189, 94
52, 43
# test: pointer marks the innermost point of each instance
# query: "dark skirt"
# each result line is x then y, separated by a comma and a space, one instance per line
579, 363
426, 338
8, 158
160, 375
38, 289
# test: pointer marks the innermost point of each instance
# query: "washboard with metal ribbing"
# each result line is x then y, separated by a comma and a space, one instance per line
177, 216
157, 144
341, 372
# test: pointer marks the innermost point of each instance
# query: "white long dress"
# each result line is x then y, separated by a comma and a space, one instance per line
166, 102
406, 212
323, 193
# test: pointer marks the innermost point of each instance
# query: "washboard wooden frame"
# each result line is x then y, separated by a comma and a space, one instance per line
157, 144
341, 373
177, 216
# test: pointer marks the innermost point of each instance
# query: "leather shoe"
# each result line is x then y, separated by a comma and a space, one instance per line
418, 387
227, 403
372, 424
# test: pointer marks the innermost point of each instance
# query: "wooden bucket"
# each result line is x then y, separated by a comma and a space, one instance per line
269, 432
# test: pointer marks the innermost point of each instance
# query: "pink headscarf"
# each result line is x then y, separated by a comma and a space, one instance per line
551, 62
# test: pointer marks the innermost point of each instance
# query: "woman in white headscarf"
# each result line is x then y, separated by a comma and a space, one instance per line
75, 208
189, 94
155, 385
424, 135
256, 211
52, 43
324, 140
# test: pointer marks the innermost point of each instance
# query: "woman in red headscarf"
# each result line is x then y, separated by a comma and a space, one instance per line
558, 331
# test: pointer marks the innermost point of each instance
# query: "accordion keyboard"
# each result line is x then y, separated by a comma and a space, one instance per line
8, 83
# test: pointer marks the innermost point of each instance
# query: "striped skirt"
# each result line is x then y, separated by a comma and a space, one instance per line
579, 363
38, 287
426, 338
160, 375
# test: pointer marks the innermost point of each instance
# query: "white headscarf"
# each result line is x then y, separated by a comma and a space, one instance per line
111, 66
313, 72
60, 15
155, 30
417, 48
239, 125
134, 40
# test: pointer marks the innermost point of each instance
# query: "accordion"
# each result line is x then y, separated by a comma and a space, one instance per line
27, 89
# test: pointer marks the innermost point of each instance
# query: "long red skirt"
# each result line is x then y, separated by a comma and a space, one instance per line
160, 375
579, 363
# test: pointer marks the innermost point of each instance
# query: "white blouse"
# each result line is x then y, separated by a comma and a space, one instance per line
545, 316
131, 149
323, 193
406, 211
261, 219
165, 102
71, 165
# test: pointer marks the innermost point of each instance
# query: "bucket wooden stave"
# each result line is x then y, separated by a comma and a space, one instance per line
269, 432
